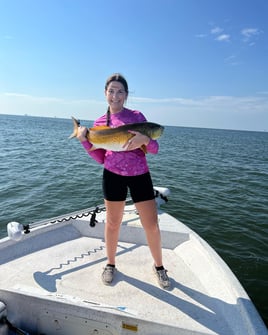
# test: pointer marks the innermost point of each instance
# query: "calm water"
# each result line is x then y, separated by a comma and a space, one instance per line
218, 181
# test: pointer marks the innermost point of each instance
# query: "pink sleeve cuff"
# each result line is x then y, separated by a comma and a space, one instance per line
152, 147
98, 155
86, 145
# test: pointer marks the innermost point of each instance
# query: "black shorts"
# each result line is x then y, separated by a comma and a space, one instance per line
115, 187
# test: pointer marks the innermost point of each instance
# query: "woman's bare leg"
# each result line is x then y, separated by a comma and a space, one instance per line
148, 215
114, 215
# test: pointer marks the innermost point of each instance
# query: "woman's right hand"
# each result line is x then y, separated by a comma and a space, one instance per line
82, 134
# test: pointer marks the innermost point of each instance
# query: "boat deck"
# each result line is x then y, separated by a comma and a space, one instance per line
69, 259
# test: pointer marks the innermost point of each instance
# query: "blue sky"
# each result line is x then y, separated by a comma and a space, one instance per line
194, 63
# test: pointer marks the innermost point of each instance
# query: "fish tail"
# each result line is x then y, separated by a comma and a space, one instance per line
75, 131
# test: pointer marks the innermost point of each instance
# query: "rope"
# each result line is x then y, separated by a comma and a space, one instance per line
72, 216
79, 215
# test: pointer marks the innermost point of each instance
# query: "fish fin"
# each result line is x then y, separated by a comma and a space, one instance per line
100, 128
144, 149
76, 124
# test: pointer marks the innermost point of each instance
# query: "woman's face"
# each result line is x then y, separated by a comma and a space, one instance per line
116, 96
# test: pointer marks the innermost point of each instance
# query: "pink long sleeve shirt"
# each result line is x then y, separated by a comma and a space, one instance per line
124, 163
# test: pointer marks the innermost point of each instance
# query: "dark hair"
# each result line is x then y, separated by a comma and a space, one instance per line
115, 77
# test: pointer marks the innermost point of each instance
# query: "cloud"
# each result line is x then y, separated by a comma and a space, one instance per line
250, 34
228, 112
232, 60
244, 102
216, 30
249, 112
223, 38
20, 104
201, 35
46, 100
31, 98
231, 102
179, 101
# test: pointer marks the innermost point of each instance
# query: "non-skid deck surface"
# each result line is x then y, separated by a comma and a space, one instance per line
73, 268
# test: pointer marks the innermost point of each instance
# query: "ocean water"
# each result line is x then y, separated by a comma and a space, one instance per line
218, 181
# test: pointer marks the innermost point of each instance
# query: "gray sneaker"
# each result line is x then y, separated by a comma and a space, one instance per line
108, 274
162, 278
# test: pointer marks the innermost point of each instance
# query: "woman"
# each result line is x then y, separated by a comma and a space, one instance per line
122, 171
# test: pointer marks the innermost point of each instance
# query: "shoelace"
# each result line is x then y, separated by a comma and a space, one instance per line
163, 275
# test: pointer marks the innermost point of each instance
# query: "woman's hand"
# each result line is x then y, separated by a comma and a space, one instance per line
136, 141
82, 134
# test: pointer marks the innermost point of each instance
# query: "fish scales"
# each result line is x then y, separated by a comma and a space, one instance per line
115, 138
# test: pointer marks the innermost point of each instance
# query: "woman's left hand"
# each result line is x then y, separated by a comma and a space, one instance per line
136, 141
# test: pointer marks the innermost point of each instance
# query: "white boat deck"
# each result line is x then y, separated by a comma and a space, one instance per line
67, 265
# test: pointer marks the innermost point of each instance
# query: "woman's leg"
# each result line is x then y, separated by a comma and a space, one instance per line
148, 215
149, 219
114, 215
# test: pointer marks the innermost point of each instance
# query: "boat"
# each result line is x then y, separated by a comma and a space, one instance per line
50, 280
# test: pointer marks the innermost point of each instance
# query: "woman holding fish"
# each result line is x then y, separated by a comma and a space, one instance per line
125, 167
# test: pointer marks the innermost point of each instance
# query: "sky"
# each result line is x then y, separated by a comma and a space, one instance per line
190, 63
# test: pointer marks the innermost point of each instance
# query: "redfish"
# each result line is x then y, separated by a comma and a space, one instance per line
114, 139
